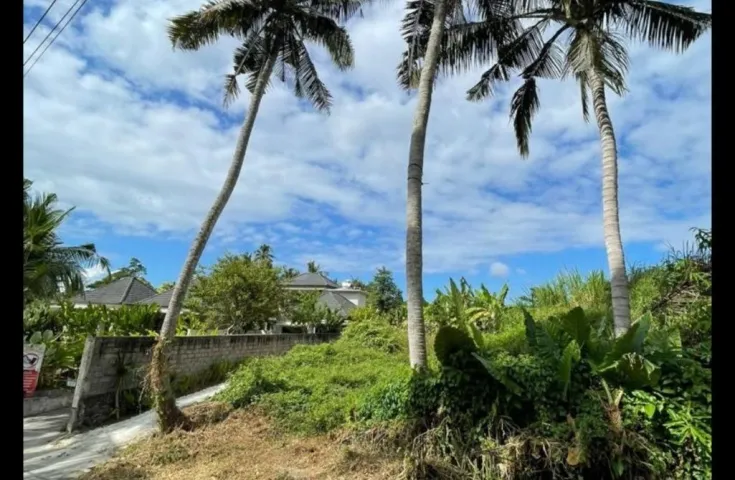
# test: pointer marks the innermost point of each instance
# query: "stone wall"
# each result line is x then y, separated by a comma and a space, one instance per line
100, 366
44, 401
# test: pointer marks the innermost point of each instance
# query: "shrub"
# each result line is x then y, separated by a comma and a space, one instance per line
317, 388
378, 335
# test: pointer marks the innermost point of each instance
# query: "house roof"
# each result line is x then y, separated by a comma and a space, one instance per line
335, 301
123, 291
162, 299
309, 279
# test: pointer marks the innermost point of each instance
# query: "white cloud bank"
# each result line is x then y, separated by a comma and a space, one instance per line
127, 130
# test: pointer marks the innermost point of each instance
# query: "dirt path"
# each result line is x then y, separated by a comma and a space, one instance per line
244, 446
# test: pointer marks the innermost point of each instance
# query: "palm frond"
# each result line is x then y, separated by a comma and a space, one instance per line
307, 83
601, 51
248, 58
339, 10
521, 51
47, 262
663, 25
474, 44
202, 27
549, 62
325, 31
484, 88
232, 90
583, 91
415, 27
523, 107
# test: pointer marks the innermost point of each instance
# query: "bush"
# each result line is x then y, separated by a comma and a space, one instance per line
544, 392
317, 388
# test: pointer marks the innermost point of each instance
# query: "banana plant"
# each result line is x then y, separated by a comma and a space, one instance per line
451, 304
488, 308
619, 361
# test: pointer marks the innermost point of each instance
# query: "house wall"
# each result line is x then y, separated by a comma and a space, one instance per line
98, 379
355, 296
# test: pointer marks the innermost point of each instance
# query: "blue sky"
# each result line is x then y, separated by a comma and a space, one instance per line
134, 135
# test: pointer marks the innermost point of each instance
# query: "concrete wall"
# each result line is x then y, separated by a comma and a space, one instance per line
98, 377
44, 401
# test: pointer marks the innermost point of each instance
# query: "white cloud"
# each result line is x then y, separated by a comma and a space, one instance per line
95, 273
133, 135
499, 270
520, 271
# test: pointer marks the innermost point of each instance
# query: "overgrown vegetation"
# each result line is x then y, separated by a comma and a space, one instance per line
63, 329
537, 389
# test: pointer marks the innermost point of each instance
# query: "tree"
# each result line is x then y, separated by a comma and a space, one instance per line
48, 265
287, 273
273, 36
135, 269
313, 267
307, 310
264, 253
165, 287
237, 293
383, 293
588, 44
358, 284
423, 29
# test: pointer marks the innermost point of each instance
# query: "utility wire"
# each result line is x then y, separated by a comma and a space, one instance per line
51, 32
38, 22
57, 34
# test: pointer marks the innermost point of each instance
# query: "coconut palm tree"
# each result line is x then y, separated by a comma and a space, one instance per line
264, 253
48, 265
274, 35
313, 267
429, 52
587, 43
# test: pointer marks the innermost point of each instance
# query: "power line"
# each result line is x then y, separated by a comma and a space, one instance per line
38, 22
57, 34
51, 32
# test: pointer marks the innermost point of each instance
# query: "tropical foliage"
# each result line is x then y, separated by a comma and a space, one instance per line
51, 268
238, 294
383, 293
546, 390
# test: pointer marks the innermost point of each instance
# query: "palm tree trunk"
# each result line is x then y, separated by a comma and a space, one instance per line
610, 210
414, 246
169, 416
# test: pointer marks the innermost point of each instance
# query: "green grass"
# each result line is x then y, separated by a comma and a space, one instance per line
314, 389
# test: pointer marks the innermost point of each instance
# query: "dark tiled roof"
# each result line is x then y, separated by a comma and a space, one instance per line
123, 291
162, 299
312, 280
335, 301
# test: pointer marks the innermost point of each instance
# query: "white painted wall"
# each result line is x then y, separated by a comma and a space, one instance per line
358, 297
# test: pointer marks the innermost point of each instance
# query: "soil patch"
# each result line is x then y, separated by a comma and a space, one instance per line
242, 445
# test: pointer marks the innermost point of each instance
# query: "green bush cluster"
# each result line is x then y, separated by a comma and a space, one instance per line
314, 389
539, 389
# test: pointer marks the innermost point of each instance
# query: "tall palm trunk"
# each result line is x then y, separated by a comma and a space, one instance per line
169, 416
414, 247
610, 217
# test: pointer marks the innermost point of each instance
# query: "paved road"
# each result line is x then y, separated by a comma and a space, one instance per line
51, 454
